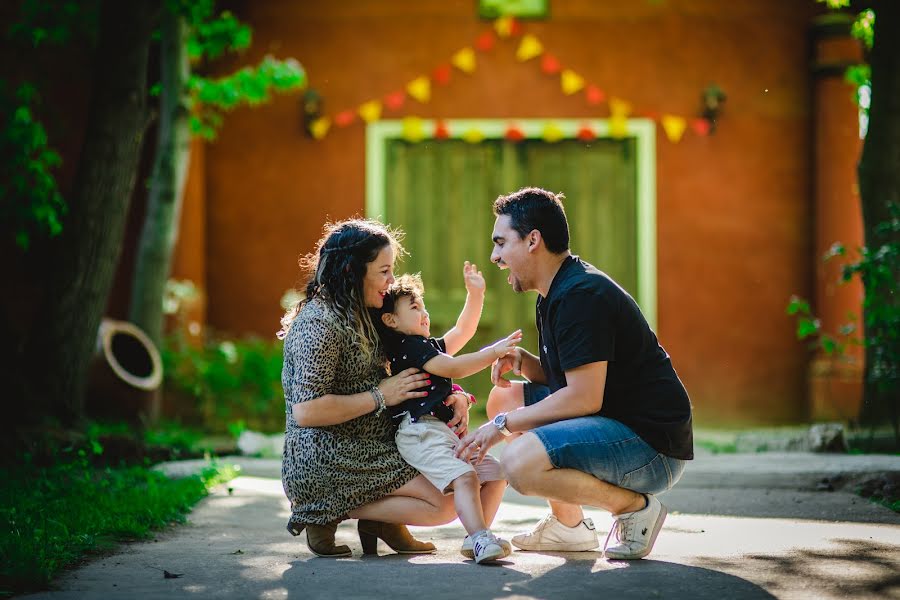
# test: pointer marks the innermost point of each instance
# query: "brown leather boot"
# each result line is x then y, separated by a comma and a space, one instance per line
320, 539
396, 536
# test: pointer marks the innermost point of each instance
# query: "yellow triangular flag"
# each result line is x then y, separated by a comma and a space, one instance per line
420, 89
464, 60
529, 48
618, 107
413, 131
674, 127
571, 82
618, 126
370, 111
503, 26
473, 136
319, 127
552, 133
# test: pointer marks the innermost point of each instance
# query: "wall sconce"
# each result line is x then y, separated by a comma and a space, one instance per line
311, 106
713, 98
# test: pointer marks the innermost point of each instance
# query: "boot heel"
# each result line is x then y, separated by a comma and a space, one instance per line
369, 542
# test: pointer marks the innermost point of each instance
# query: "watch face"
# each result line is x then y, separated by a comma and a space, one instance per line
500, 421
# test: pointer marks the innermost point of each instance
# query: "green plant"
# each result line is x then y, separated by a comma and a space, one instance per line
51, 517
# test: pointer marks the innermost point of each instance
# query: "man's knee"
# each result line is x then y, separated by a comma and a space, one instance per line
524, 462
504, 399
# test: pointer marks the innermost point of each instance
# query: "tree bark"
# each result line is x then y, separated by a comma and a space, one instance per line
59, 352
160, 229
879, 188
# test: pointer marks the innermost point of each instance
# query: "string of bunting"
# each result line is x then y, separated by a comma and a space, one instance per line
465, 60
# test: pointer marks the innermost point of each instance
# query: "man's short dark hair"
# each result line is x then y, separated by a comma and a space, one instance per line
534, 208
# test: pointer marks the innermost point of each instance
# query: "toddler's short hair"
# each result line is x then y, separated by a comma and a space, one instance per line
406, 285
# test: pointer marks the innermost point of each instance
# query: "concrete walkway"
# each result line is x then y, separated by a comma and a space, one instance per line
740, 526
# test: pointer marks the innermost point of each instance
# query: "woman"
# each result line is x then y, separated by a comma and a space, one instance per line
340, 459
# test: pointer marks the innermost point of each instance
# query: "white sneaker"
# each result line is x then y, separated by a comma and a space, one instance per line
549, 535
487, 547
468, 547
636, 531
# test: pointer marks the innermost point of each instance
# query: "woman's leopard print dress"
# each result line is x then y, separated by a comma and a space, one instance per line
328, 471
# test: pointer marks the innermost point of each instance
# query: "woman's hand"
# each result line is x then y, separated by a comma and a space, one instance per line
460, 403
403, 386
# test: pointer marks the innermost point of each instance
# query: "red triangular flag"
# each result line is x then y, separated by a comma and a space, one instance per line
440, 130
514, 134
550, 65
700, 126
441, 75
344, 118
594, 94
395, 100
586, 134
485, 41
515, 27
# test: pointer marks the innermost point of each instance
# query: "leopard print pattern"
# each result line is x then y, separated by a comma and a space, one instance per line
328, 471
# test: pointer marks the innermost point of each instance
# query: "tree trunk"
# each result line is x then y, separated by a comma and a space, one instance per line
879, 188
160, 229
59, 352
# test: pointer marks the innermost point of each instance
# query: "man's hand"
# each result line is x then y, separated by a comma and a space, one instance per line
474, 447
511, 362
473, 278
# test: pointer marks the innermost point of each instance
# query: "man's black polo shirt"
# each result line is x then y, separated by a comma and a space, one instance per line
586, 317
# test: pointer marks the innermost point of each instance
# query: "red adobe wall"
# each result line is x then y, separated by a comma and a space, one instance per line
733, 209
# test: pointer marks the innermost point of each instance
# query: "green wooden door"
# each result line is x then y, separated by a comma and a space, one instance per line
440, 193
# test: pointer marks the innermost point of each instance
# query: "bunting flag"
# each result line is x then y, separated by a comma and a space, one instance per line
420, 89
485, 41
319, 127
370, 111
464, 60
530, 47
571, 82
413, 130
441, 132
550, 64
344, 118
674, 127
395, 100
594, 95
552, 133
441, 75
473, 135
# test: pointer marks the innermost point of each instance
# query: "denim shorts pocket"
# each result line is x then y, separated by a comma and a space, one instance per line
653, 478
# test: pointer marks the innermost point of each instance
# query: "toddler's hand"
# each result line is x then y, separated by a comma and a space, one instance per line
473, 278
507, 345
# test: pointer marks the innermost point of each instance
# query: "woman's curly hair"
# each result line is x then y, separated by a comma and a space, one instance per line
337, 269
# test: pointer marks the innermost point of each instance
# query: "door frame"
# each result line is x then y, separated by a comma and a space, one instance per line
643, 131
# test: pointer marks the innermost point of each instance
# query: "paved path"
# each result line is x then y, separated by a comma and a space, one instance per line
742, 526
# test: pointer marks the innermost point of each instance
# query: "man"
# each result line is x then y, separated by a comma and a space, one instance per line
603, 419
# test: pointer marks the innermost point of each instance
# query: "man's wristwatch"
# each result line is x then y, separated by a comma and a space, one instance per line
500, 423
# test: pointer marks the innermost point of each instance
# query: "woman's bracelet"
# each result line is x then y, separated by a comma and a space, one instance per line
379, 400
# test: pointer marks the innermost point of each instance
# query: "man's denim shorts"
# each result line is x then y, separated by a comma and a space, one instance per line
606, 449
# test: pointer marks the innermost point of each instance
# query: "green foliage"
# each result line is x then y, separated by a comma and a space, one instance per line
55, 22
31, 202
810, 327
863, 28
51, 517
234, 384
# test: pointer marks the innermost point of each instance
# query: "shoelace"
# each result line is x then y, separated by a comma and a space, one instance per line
622, 529
482, 541
543, 524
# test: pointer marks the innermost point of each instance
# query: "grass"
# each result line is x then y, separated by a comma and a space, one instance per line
55, 516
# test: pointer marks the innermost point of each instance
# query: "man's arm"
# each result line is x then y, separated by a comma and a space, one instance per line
467, 323
582, 396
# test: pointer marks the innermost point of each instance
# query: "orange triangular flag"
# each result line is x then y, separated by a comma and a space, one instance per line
529, 48
571, 82
464, 60
674, 127
370, 111
420, 89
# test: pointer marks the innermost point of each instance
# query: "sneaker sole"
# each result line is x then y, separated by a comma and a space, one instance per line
491, 557
656, 529
470, 553
582, 547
